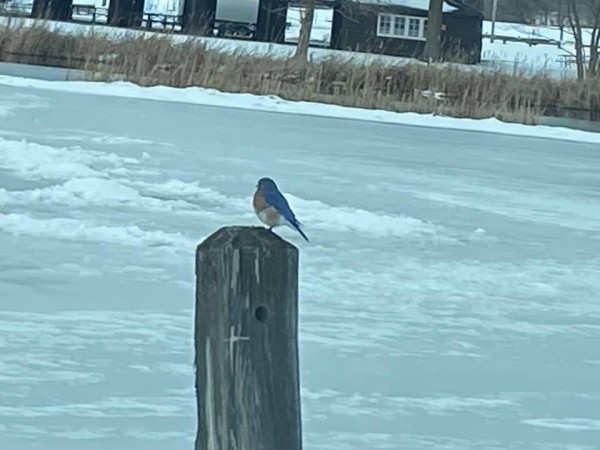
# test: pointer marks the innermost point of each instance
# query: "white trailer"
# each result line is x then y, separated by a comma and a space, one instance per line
167, 7
236, 17
95, 11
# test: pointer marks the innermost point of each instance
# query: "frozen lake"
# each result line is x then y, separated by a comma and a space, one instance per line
450, 294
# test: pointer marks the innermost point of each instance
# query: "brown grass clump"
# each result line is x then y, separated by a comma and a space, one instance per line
161, 61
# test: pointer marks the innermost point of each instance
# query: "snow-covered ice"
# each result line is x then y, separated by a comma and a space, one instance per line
450, 296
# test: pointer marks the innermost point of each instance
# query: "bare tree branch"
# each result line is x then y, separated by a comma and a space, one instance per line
575, 23
594, 65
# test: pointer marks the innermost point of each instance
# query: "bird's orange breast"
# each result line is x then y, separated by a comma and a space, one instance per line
258, 202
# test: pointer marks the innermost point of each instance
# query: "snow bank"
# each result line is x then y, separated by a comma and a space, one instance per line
211, 97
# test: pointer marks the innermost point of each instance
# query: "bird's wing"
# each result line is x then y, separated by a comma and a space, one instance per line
279, 202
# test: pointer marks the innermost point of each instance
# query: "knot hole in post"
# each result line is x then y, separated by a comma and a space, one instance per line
261, 313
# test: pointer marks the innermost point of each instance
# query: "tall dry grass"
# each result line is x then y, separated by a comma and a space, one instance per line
158, 60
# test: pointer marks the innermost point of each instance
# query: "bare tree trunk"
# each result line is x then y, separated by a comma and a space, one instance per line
559, 12
561, 19
306, 24
575, 23
594, 65
433, 45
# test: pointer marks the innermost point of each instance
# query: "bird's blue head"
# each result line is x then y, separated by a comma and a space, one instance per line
266, 185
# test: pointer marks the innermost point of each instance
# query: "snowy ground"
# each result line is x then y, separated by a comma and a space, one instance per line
531, 59
450, 296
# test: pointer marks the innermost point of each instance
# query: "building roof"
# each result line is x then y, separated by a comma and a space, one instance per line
422, 5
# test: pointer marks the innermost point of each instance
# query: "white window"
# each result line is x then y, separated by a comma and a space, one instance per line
385, 24
399, 26
414, 27
403, 27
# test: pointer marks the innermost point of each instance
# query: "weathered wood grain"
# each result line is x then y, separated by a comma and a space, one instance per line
246, 341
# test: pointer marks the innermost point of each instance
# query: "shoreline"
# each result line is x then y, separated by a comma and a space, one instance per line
52, 78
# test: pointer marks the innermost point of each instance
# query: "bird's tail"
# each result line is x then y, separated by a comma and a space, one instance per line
298, 227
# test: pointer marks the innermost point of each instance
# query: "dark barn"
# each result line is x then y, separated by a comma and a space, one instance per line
398, 27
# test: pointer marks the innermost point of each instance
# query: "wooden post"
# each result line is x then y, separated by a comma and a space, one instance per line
61, 10
270, 23
125, 13
51, 9
198, 16
246, 341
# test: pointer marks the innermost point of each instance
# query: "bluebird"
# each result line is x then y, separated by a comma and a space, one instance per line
272, 208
